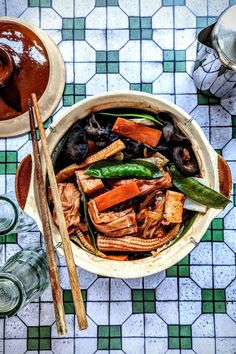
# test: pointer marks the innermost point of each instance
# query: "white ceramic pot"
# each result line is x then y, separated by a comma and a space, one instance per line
207, 158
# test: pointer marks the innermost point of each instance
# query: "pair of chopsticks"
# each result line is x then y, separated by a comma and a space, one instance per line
34, 112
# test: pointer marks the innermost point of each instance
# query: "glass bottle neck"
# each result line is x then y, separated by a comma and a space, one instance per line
11, 295
8, 215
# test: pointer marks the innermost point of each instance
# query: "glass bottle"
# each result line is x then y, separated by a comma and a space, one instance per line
23, 278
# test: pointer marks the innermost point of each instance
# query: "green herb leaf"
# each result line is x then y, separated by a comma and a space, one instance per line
132, 115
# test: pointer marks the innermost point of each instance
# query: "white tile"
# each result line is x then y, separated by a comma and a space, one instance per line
67, 50
225, 326
199, 7
96, 38
150, 7
203, 326
54, 34
216, 7
219, 116
164, 84
151, 51
116, 18
223, 275
231, 310
163, 38
16, 142
15, 328
187, 102
229, 104
229, 149
151, 71
83, 8
130, 51
202, 254
91, 331
184, 83
64, 278
201, 115
30, 314
97, 84
202, 275
188, 290
225, 345
152, 281
85, 345
230, 219
84, 72
168, 311
130, 71
70, 324
230, 239
86, 278
133, 326
99, 290
184, 18
155, 326
64, 8
133, 345
135, 283
206, 131
50, 19
47, 316
18, 346
191, 51
116, 39
14, 8
98, 311
69, 73
167, 290
231, 291
120, 311
220, 136
200, 345
31, 14
222, 254
184, 37
232, 166
130, 7
84, 52
63, 345
156, 345
119, 290
116, 83
163, 18
189, 311
96, 19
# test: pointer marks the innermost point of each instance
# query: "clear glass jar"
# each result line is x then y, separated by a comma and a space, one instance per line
23, 278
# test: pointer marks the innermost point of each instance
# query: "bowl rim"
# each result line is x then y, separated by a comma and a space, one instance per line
208, 162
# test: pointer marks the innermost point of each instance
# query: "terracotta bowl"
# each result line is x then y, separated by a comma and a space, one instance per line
213, 167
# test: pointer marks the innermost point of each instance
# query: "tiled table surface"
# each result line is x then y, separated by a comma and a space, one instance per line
146, 45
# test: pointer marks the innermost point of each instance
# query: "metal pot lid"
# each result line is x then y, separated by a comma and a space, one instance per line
224, 37
29, 62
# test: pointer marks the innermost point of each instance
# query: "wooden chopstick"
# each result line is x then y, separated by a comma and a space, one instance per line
47, 232
66, 243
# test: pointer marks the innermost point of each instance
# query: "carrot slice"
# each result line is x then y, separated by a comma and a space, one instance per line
136, 131
116, 195
118, 257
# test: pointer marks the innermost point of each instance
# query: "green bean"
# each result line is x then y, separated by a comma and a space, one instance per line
131, 115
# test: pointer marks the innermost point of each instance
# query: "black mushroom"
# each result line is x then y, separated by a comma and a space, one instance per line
133, 149
76, 147
185, 160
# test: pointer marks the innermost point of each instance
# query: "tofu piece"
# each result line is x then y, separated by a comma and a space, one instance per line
174, 205
90, 185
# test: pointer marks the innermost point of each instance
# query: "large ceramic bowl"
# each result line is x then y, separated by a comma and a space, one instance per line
208, 160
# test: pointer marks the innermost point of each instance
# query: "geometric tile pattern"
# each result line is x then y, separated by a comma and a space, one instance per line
150, 46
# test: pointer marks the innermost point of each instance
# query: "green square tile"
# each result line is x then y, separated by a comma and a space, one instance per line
113, 68
67, 23
219, 151
79, 34
147, 88
169, 55
33, 332
67, 34
219, 295
45, 344
134, 22
179, 2
135, 87
207, 236
103, 343
2, 156
69, 308
84, 295
11, 156
80, 89
180, 66
234, 132
137, 295
207, 307
115, 343
45, 332
233, 120
2, 169
11, 238
214, 100
220, 307
185, 331
173, 331
32, 344
207, 294
173, 343
69, 89
101, 68
68, 100
146, 34
180, 55
101, 56
202, 99
232, 2
112, 2
201, 21
79, 23
218, 235
172, 271
135, 34
45, 3
11, 168
185, 343
168, 66
149, 307
211, 20
137, 307
146, 22
217, 224
33, 3
167, 2
115, 331
79, 98
149, 294
113, 55
184, 271
2, 240
101, 3
103, 331
184, 261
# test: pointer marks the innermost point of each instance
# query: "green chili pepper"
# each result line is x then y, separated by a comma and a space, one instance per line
131, 115
116, 169
197, 191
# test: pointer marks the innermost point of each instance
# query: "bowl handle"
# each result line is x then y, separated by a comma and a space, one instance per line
22, 180
225, 177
